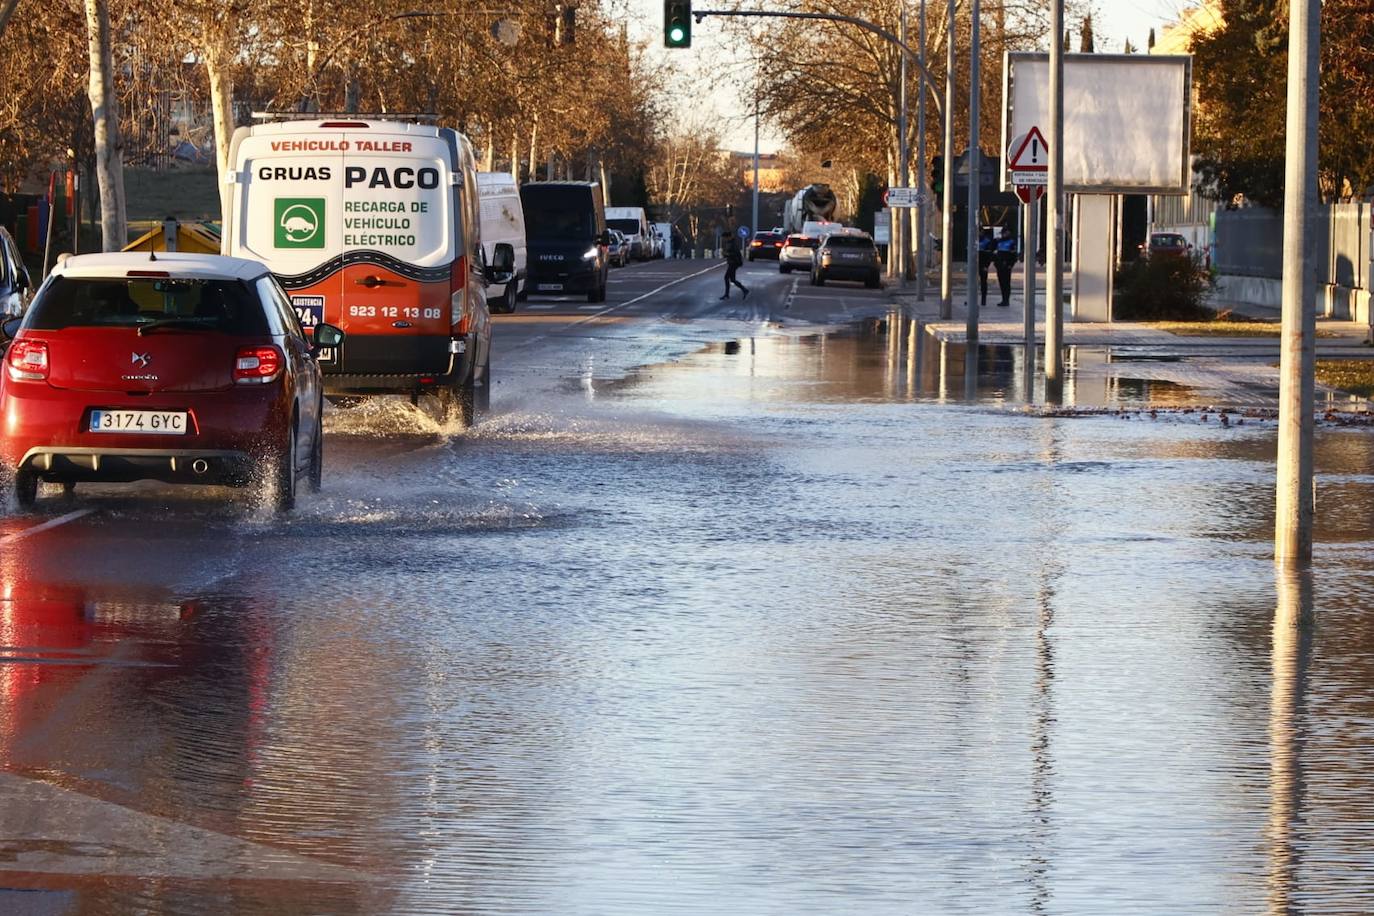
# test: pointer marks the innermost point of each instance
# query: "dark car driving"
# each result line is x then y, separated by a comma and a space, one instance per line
766, 245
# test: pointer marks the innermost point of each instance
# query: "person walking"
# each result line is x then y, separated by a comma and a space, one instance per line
986, 246
734, 260
1004, 259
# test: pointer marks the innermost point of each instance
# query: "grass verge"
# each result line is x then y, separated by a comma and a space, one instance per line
1353, 376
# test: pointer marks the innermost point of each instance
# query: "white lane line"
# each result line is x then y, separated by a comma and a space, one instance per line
620, 305
791, 294
45, 526
540, 308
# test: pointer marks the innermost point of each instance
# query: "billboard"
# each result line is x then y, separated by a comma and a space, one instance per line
1127, 118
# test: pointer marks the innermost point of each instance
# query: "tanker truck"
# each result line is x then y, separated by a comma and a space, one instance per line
812, 204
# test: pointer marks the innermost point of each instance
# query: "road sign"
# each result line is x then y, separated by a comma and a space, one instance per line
1029, 152
882, 227
1027, 193
1030, 178
903, 197
742, 232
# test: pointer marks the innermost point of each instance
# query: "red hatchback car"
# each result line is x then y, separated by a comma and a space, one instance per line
183, 368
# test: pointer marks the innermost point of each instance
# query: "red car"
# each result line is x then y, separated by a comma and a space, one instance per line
183, 368
1167, 245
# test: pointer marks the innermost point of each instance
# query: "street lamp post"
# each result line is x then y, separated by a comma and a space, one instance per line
975, 178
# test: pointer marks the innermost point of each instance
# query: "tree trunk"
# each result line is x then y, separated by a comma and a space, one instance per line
6, 11
491, 147
534, 149
222, 116
109, 153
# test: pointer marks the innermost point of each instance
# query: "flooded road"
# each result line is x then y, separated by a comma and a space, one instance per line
729, 607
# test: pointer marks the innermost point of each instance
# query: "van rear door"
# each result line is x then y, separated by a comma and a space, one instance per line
285, 209
400, 254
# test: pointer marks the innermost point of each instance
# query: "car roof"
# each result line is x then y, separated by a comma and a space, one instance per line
177, 263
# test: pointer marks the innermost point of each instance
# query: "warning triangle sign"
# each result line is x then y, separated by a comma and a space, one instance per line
1032, 155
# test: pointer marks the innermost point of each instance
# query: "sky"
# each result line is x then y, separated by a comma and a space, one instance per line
704, 94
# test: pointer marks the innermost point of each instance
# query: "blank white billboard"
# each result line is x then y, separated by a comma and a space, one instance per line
1126, 119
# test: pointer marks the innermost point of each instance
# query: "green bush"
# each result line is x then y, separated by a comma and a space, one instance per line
1162, 289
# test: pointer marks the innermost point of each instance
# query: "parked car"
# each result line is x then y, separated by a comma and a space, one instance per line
766, 245
14, 278
619, 249
189, 368
797, 253
1167, 245
847, 256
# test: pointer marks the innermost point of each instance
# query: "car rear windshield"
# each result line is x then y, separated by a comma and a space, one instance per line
1170, 240
848, 241
801, 241
226, 306
766, 237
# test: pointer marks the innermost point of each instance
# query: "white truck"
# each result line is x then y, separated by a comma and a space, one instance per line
503, 220
633, 223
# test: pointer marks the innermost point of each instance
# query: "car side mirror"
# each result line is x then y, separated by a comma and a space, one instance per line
502, 266
604, 238
9, 329
326, 336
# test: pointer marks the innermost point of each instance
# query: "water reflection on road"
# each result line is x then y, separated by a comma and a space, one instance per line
766, 629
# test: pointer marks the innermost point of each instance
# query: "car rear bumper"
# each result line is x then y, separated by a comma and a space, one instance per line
121, 465
41, 420
850, 271
570, 281
765, 254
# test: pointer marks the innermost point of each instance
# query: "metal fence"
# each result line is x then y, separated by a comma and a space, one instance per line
1249, 243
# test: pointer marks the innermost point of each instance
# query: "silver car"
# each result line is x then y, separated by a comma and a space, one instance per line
798, 251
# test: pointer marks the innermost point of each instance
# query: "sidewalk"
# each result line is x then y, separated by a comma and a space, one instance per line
997, 325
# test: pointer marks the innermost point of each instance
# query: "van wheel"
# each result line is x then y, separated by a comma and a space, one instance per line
458, 405
25, 488
523, 294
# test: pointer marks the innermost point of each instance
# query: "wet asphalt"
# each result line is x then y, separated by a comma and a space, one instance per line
745, 606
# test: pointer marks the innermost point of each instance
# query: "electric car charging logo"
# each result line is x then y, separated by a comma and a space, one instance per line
299, 222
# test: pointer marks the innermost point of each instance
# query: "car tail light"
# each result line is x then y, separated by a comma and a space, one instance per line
757, 244
257, 365
777, 244
458, 296
27, 360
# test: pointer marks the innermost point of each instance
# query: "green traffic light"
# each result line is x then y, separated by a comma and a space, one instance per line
676, 34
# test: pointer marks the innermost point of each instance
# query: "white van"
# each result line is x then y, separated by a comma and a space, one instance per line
373, 226
503, 220
633, 223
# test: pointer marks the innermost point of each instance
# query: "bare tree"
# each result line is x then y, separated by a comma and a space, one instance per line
109, 154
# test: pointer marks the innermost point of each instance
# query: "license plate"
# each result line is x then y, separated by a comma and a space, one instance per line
550, 287
152, 422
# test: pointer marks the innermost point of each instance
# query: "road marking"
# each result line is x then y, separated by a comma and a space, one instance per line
791, 294
540, 308
45, 526
620, 305
588, 308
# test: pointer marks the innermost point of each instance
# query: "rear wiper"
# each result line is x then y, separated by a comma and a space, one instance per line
169, 322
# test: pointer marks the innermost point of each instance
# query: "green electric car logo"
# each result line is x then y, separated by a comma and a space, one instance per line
299, 222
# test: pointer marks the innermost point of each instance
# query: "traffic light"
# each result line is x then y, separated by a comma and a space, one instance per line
677, 23
937, 174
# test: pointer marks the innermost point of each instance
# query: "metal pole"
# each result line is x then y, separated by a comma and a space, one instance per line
1054, 235
1294, 506
1028, 245
755, 216
920, 246
975, 178
900, 243
947, 211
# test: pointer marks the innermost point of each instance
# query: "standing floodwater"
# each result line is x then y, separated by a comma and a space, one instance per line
773, 626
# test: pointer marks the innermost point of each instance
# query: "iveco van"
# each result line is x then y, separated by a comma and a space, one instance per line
372, 226
565, 229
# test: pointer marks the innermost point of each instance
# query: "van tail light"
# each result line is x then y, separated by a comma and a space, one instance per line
27, 360
257, 365
458, 297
